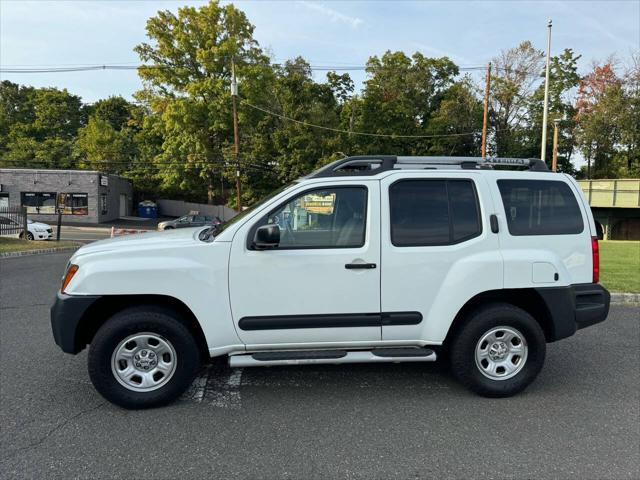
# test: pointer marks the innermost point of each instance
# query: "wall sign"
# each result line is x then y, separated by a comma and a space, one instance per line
104, 180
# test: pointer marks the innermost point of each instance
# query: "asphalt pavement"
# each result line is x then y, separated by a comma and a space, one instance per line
82, 234
580, 419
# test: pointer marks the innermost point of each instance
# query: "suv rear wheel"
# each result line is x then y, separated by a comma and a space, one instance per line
143, 357
499, 351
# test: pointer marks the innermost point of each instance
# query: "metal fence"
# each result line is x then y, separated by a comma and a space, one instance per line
13, 221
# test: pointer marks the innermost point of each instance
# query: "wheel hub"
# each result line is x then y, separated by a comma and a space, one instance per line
498, 350
145, 360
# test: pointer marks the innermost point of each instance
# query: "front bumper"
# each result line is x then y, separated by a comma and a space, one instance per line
574, 307
46, 235
66, 314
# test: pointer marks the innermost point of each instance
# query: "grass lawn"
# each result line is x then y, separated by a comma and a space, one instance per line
16, 245
620, 265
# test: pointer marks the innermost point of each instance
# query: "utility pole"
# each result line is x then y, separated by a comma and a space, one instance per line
543, 148
554, 162
486, 112
236, 140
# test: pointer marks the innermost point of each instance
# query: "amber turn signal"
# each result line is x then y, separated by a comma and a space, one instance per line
71, 271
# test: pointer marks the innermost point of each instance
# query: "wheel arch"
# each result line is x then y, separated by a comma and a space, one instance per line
105, 307
528, 299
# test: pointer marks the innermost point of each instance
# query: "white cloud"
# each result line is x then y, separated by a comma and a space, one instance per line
334, 15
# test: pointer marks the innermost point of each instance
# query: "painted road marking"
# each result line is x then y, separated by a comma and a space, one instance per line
220, 386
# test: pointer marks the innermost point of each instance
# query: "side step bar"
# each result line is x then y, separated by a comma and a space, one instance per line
317, 357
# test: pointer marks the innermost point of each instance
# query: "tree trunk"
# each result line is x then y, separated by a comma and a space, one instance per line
211, 191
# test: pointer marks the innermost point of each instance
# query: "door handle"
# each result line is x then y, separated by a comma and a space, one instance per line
354, 266
493, 221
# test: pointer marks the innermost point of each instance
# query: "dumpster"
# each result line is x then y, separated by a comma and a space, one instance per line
147, 209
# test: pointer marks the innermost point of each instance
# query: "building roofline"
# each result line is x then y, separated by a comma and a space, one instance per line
54, 170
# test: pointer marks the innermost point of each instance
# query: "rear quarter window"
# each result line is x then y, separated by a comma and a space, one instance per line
540, 207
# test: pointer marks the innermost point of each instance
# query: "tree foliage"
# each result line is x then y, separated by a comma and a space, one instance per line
176, 138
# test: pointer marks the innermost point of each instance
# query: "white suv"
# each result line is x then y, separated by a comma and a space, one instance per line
369, 259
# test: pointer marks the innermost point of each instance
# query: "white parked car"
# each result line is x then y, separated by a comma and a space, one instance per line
35, 230
369, 259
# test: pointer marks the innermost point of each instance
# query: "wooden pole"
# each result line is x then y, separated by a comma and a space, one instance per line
554, 161
545, 111
236, 140
485, 116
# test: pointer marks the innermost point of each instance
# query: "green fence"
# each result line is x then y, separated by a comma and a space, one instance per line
612, 193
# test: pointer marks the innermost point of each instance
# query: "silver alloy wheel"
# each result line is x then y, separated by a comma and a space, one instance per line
143, 362
501, 353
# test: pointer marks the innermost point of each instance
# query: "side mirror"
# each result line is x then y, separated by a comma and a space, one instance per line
267, 236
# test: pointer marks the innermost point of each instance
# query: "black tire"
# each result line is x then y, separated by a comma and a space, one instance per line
150, 319
462, 354
29, 236
169, 228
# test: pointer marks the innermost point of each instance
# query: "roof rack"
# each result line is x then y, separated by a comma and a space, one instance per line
366, 165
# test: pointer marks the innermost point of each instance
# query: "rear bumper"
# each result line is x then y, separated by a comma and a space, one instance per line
66, 314
574, 307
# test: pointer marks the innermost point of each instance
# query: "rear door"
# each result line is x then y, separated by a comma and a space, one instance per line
438, 251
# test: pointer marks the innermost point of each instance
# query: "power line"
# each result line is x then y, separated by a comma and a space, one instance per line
70, 68
366, 134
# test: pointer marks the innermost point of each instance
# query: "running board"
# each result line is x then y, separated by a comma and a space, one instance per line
317, 357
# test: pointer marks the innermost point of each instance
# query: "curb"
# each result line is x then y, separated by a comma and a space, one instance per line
105, 229
625, 297
38, 252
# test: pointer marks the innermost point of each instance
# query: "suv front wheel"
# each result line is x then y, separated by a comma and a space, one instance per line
143, 357
499, 351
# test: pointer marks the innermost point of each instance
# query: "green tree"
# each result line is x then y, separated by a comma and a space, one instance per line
630, 121
563, 79
295, 148
517, 75
187, 74
399, 98
115, 110
459, 113
38, 126
99, 146
600, 114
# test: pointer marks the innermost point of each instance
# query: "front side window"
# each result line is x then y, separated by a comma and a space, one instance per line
540, 207
426, 212
323, 218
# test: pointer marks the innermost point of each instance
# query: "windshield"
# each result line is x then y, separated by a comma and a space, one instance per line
208, 234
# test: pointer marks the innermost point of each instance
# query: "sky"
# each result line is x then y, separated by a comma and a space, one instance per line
64, 33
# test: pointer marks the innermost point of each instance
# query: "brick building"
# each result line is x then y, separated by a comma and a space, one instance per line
88, 196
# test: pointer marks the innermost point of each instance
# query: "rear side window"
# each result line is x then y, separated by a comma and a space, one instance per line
540, 207
433, 212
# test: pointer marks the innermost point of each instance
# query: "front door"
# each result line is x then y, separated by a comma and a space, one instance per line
123, 205
322, 283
